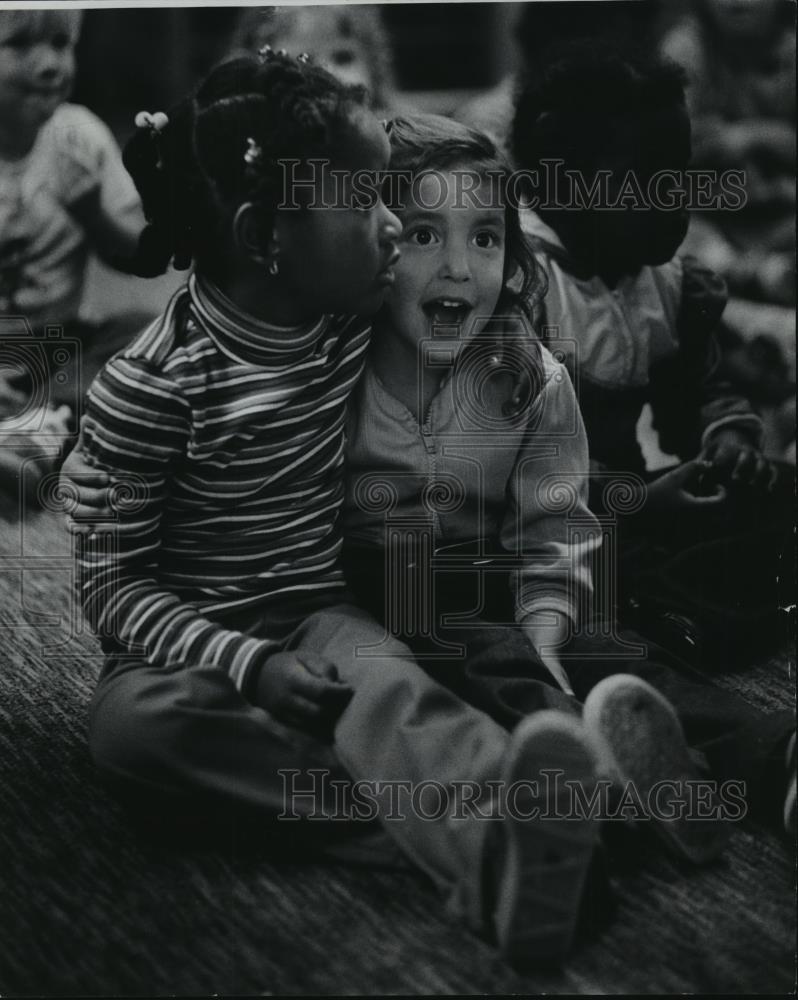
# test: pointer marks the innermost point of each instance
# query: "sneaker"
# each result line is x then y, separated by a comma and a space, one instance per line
638, 741
789, 798
546, 857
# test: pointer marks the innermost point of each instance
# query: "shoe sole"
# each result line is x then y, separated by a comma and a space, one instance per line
547, 856
638, 741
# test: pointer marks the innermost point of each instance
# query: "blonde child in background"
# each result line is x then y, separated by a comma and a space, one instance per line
64, 194
350, 43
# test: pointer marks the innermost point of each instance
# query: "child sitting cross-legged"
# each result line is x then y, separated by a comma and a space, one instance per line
440, 457
235, 656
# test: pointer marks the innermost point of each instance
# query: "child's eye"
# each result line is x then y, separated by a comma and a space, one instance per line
422, 237
486, 240
61, 41
18, 42
342, 57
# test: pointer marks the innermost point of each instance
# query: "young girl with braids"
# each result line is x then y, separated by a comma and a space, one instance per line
235, 657
455, 442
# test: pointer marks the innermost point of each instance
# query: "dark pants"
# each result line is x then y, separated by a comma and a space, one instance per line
497, 670
729, 569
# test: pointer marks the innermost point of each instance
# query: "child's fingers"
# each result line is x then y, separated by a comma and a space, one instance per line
711, 500
77, 471
92, 500
319, 665
84, 519
320, 690
303, 710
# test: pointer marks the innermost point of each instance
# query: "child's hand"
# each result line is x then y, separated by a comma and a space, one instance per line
302, 690
736, 461
688, 486
91, 486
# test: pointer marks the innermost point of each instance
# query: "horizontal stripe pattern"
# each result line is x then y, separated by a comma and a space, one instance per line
231, 433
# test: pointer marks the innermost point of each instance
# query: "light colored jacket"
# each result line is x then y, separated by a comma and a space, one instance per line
470, 472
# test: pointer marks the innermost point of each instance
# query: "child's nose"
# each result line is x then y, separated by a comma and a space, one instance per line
454, 264
391, 228
49, 62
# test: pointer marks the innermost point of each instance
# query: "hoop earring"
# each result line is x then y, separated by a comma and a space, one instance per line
274, 268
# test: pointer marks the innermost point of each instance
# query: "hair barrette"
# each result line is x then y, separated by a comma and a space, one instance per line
253, 153
265, 53
155, 124
303, 57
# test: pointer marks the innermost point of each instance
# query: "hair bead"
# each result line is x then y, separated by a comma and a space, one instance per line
253, 153
155, 125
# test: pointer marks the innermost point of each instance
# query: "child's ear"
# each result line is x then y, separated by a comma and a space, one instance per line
249, 236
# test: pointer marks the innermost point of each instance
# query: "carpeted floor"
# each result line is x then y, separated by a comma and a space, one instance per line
92, 905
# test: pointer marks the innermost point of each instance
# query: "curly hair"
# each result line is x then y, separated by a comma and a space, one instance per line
194, 173
563, 107
432, 142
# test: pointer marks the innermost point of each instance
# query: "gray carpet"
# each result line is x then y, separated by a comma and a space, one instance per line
92, 905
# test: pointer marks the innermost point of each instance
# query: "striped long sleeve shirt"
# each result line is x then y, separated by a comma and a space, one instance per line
229, 434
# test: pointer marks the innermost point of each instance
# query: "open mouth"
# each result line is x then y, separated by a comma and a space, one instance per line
447, 312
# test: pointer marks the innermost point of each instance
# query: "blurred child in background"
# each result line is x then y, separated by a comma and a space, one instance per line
64, 194
540, 30
637, 325
349, 42
740, 60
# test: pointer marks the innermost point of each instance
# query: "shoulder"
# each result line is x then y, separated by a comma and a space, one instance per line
349, 326
157, 356
347, 336
74, 128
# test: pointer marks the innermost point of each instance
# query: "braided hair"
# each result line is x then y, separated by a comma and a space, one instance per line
223, 146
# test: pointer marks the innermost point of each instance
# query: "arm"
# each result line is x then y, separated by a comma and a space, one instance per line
690, 399
98, 191
136, 427
549, 488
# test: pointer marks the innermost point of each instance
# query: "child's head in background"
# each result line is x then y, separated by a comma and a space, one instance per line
612, 115
213, 175
352, 44
464, 258
37, 66
746, 22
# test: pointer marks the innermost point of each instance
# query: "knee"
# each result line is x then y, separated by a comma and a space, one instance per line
139, 720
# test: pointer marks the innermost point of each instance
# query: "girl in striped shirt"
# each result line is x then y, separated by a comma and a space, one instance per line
235, 657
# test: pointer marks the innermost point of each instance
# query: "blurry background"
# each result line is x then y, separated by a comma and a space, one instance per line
464, 59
